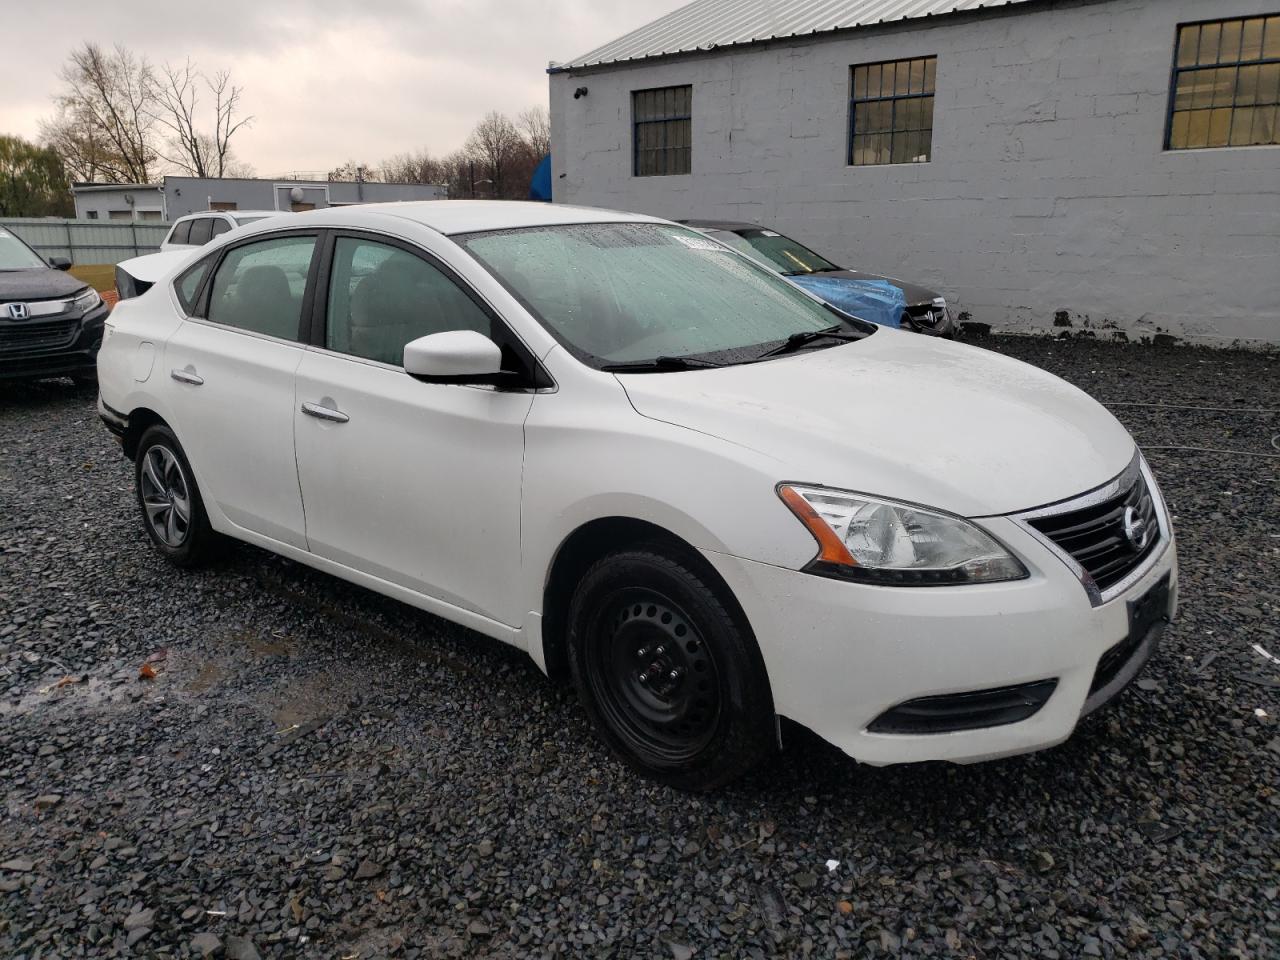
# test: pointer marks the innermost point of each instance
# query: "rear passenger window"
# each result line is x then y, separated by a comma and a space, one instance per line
201, 231
382, 297
259, 286
189, 284
220, 227
181, 232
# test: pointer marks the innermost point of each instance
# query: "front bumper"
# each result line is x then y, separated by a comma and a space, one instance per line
74, 353
840, 655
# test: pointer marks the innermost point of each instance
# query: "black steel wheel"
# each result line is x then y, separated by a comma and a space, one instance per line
671, 679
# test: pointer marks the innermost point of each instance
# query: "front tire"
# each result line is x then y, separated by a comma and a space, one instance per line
672, 680
172, 510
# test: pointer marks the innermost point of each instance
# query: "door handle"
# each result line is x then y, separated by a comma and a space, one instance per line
186, 376
324, 413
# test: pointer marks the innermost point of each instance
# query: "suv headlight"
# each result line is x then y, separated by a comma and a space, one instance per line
87, 301
895, 544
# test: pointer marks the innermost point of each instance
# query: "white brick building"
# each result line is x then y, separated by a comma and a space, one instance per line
1102, 163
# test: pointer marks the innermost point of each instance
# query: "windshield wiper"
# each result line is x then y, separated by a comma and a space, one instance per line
802, 339
660, 365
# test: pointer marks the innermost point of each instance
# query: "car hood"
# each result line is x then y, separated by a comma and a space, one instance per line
914, 293
38, 284
928, 421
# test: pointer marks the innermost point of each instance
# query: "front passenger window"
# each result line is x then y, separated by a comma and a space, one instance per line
382, 297
259, 286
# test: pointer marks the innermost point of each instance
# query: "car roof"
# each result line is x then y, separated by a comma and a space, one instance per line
730, 226
469, 216
233, 214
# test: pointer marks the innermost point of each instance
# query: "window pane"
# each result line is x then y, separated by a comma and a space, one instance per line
1247, 85
1241, 126
381, 298
1220, 128
902, 87
1188, 44
1269, 83
1271, 41
926, 145
181, 232
201, 231
1202, 84
930, 74
1224, 86
1266, 126
860, 118
859, 82
874, 74
1210, 35
259, 286
1229, 46
926, 112
189, 283
1198, 130
1251, 41
1182, 95
1178, 133
917, 76
220, 227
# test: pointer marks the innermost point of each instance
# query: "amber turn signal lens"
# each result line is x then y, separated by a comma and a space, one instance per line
830, 547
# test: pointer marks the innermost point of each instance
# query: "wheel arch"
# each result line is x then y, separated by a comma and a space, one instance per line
140, 420
588, 543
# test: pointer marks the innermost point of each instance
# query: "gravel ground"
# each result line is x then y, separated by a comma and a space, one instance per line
319, 771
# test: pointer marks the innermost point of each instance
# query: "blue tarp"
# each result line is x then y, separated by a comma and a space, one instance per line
876, 300
540, 185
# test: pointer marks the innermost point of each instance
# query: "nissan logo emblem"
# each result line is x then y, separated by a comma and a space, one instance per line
18, 311
1136, 530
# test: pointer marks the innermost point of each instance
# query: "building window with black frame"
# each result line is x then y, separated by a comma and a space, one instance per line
1226, 84
891, 111
662, 144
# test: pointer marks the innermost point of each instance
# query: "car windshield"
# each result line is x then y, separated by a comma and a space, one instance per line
16, 255
783, 253
630, 293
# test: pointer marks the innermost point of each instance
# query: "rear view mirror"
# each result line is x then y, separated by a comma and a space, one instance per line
60, 263
456, 356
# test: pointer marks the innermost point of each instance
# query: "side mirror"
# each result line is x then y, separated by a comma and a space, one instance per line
456, 356
60, 263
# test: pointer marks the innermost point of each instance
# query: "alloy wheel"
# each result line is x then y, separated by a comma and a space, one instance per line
166, 496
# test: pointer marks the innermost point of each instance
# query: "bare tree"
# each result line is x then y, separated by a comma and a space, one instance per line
495, 145
176, 100
85, 152
104, 111
535, 127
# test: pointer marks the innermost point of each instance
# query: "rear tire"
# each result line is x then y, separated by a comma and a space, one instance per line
173, 512
672, 681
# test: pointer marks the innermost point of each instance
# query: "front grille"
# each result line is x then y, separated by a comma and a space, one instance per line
1096, 538
29, 335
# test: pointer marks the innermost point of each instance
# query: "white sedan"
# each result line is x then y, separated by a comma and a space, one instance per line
709, 499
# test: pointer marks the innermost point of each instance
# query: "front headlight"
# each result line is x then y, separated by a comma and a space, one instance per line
896, 544
87, 301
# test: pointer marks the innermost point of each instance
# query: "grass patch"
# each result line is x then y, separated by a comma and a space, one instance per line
100, 276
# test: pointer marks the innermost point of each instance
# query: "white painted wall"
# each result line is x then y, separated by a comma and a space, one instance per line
1049, 188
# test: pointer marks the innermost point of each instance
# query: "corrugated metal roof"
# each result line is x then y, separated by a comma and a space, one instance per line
707, 24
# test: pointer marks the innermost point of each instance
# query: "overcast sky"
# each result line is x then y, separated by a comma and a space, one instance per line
326, 80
